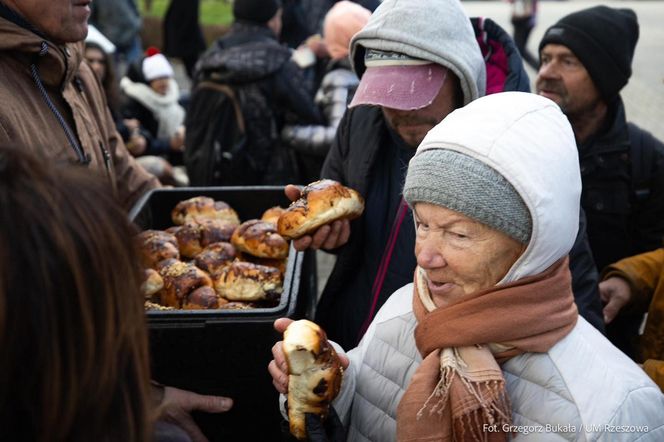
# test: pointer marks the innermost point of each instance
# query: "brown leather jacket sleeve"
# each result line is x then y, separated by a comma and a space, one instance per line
643, 272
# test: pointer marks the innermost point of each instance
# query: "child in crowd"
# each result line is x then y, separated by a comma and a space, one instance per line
152, 98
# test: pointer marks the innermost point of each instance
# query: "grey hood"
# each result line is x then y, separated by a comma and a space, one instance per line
406, 26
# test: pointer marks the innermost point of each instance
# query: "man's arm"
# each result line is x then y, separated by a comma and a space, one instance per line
317, 139
330, 237
585, 278
295, 98
642, 273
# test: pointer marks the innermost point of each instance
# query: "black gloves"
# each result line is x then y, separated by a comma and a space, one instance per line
331, 430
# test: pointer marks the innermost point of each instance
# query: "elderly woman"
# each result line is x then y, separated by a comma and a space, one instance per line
487, 344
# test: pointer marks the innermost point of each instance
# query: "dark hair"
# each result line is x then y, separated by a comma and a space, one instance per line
73, 344
109, 82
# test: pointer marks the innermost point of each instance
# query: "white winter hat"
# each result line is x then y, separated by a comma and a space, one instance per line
156, 66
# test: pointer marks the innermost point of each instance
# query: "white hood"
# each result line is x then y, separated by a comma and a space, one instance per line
528, 140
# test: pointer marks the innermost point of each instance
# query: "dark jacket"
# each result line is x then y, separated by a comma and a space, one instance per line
149, 126
268, 86
183, 36
352, 161
622, 171
302, 19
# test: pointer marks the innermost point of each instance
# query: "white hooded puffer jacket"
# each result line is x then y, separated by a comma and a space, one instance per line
583, 389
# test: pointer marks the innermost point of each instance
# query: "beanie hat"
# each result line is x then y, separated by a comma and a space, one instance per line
603, 39
256, 11
466, 185
157, 66
343, 21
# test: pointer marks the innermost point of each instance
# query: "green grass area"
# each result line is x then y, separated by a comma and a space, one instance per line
213, 12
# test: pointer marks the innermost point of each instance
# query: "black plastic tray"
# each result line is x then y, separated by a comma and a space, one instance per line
226, 352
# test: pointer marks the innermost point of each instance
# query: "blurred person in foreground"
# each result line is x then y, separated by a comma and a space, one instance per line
586, 60
53, 105
487, 342
73, 337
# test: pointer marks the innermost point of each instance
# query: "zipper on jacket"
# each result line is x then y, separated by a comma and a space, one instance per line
73, 142
107, 157
108, 166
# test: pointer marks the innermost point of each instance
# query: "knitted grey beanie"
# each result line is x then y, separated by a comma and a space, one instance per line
466, 185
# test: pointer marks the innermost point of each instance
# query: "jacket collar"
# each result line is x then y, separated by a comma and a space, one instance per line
57, 64
613, 136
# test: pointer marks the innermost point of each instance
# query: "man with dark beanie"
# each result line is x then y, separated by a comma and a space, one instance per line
267, 87
586, 60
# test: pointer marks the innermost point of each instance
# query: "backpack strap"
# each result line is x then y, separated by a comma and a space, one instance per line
642, 156
228, 91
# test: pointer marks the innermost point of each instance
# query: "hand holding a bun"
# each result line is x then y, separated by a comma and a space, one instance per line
278, 367
328, 236
307, 369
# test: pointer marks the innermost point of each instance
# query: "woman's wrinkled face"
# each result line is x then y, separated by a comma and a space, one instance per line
459, 255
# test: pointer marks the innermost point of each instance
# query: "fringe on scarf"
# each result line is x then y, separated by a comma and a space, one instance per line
493, 406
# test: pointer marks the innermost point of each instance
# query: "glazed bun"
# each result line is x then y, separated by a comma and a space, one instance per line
155, 246
314, 373
199, 208
279, 264
152, 283
192, 238
244, 281
215, 257
260, 239
321, 203
180, 280
272, 214
202, 298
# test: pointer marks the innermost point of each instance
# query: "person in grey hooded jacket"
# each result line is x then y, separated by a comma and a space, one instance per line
378, 135
487, 343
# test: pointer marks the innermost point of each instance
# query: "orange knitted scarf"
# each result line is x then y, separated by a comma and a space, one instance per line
458, 392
